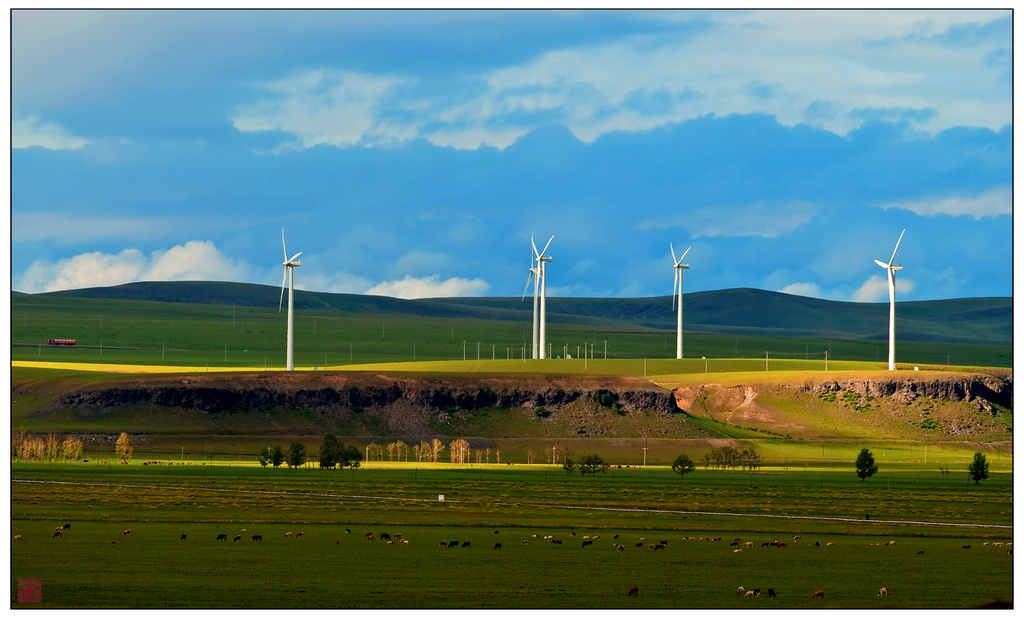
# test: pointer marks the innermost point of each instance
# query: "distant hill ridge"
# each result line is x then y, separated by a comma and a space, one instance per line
735, 311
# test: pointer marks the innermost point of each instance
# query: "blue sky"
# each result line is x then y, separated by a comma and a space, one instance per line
414, 153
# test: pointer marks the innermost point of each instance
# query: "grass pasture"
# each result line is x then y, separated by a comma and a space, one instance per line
155, 568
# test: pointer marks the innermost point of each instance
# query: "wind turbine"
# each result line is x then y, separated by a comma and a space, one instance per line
535, 276
289, 275
678, 286
541, 266
892, 301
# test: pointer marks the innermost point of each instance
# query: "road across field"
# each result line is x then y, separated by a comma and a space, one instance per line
848, 520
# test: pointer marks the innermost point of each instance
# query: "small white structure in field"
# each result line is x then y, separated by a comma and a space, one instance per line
440, 497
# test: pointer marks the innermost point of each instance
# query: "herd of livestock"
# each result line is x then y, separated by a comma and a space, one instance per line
587, 541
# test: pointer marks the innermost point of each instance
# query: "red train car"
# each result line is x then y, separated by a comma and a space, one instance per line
64, 342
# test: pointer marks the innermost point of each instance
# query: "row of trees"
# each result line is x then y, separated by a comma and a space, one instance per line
727, 457
588, 464
53, 447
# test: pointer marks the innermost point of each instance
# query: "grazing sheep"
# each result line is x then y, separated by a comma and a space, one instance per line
818, 594
740, 591
634, 591
17, 537
892, 543
749, 594
287, 534
883, 591
749, 544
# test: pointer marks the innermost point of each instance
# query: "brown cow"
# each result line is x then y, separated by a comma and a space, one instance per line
17, 537
818, 594
634, 591
58, 533
127, 532
298, 535
257, 537
238, 537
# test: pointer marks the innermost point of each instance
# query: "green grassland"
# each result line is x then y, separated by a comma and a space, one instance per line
806, 485
240, 335
94, 565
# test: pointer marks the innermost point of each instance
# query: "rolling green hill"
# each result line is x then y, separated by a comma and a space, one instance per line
744, 311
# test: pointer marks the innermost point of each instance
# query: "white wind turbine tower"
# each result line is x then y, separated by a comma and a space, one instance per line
539, 295
678, 287
541, 266
289, 275
535, 276
892, 301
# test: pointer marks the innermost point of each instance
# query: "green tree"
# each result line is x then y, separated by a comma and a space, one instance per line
296, 454
865, 464
264, 457
350, 457
978, 468
568, 465
330, 451
124, 448
682, 466
277, 456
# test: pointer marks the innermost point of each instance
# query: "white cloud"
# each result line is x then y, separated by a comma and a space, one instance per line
30, 131
195, 260
876, 289
338, 108
997, 201
812, 290
767, 220
429, 287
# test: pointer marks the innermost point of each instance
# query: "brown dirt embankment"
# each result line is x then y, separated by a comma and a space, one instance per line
933, 405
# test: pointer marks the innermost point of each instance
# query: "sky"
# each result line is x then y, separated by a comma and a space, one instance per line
416, 153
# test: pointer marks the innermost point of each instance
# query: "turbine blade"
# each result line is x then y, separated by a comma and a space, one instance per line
674, 260
881, 263
683, 256
284, 279
675, 288
545, 248
283, 246
897, 247
528, 279
294, 256
536, 256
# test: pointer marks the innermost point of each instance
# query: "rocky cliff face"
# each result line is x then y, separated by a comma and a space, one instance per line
426, 397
